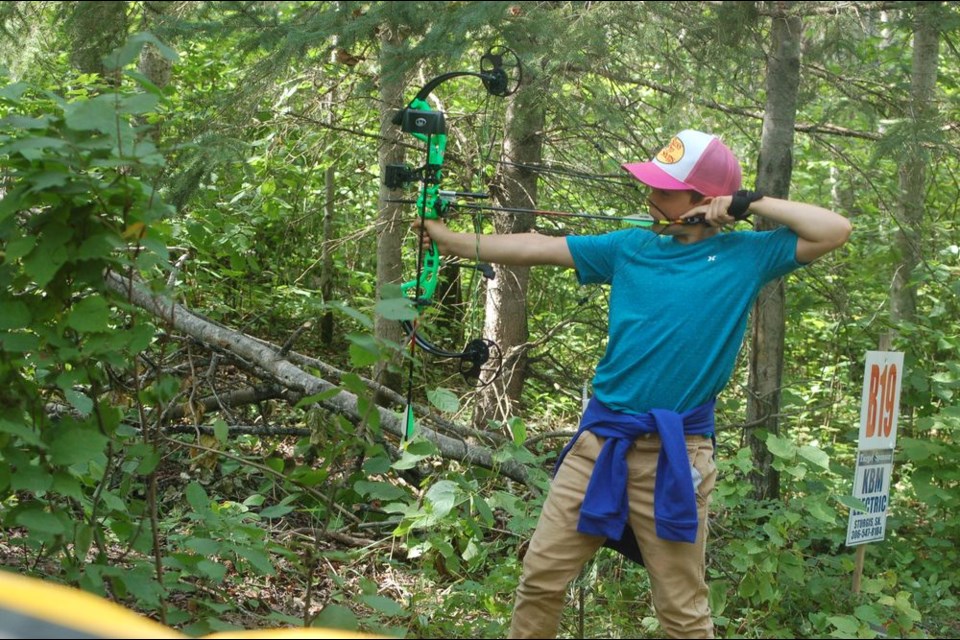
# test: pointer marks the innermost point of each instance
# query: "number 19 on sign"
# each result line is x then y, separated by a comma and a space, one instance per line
880, 404
882, 400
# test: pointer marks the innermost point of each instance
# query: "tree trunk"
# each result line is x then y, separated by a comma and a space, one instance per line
94, 30
912, 170
153, 65
326, 262
390, 230
773, 178
505, 317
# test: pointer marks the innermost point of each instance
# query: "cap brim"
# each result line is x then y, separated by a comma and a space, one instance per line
653, 176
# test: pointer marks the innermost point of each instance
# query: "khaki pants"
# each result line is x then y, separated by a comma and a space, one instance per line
558, 551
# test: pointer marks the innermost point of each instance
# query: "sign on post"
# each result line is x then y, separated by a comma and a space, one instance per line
879, 410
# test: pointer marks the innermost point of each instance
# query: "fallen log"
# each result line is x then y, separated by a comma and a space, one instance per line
292, 377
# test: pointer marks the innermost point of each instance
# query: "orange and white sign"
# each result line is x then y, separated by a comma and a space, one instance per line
879, 411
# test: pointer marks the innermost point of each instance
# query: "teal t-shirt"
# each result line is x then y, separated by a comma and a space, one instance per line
677, 312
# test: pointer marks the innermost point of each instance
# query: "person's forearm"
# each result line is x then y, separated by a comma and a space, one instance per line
810, 222
518, 249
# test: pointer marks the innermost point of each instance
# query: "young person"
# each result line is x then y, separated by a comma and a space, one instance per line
638, 475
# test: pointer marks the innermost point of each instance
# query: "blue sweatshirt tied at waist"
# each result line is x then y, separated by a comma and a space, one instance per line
605, 508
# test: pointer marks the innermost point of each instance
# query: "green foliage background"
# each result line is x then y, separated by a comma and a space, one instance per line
221, 172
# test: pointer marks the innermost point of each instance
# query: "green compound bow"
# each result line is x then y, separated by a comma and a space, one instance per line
501, 75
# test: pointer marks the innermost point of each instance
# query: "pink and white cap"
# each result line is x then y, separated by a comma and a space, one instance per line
691, 160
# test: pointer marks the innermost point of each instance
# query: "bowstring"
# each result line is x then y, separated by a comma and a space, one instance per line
474, 287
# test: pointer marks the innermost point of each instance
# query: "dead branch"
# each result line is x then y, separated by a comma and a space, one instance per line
295, 379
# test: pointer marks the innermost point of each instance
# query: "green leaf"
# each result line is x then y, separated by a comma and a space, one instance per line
396, 309
148, 462
90, 315
815, 455
143, 82
917, 450
139, 103
97, 247
74, 444
444, 400
16, 315
798, 471
384, 605
518, 430
43, 181
79, 401
39, 521
847, 626
379, 490
14, 91
781, 447
318, 397
221, 431
32, 148
407, 461
197, 497
21, 430
484, 510
96, 114
353, 383
364, 350
718, 596
31, 478
130, 50
822, 512
19, 247
774, 534
24, 122
213, 570
870, 613
855, 504
443, 495
362, 318
336, 616
309, 477
19, 342
84, 539
422, 448
257, 559
141, 585
203, 546
276, 511
44, 263
379, 464
255, 500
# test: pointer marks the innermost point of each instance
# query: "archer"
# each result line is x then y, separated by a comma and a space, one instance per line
638, 474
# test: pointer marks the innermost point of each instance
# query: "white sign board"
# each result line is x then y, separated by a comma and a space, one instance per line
872, 485
879, 410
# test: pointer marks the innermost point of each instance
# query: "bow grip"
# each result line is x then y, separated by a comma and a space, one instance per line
424, 287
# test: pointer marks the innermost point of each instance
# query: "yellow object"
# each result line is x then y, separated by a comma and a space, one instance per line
34, 608
303, 632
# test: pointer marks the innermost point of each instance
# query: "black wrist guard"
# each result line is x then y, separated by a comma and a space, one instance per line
741, 203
